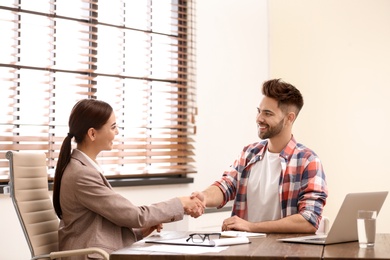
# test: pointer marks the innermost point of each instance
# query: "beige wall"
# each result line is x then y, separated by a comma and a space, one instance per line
338, 53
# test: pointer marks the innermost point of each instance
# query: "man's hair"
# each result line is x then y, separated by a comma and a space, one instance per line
285, 93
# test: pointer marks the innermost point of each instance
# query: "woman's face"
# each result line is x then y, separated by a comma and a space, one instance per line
106, 135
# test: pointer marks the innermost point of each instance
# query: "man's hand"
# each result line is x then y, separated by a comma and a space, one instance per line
236, 223
200, 196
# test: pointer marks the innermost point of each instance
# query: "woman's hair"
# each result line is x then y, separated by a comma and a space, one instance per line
285, 93
86, 114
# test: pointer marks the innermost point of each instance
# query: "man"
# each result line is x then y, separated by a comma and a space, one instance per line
277, 184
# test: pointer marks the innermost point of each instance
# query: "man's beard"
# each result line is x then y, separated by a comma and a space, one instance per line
272, 130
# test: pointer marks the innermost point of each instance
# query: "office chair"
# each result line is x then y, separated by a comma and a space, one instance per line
34, 208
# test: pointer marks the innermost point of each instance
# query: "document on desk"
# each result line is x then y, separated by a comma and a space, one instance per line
183, 247
193, 250
213, 243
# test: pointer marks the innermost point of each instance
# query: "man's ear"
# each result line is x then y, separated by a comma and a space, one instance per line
291, 116
91, 134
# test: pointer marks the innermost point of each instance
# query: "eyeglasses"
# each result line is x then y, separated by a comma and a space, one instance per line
200, 238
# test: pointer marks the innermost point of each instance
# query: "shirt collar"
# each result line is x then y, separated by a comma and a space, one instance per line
288, 151
94, 164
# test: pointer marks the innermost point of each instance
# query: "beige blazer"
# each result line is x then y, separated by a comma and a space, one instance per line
94, 215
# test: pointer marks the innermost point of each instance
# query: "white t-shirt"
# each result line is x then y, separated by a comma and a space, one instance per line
263, 189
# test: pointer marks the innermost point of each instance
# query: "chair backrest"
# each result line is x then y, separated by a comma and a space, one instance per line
32, 201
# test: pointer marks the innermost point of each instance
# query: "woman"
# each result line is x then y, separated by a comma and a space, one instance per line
91, 213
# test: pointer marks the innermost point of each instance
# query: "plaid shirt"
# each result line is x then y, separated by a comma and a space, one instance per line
302, 185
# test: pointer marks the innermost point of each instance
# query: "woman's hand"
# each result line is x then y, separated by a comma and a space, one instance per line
148, 230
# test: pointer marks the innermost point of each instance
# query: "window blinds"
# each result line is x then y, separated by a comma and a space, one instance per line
136, 55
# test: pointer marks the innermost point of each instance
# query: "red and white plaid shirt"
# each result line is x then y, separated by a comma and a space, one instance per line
302, 185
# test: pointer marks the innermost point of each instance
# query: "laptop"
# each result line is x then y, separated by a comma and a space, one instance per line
344, 228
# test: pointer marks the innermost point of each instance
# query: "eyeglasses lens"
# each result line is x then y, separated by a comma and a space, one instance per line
214, 236
200, 238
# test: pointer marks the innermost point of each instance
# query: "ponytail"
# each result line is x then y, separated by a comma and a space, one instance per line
63, 160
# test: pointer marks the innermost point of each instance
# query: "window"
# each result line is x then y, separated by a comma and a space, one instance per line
136, 55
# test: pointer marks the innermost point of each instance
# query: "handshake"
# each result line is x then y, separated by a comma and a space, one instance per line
194, 205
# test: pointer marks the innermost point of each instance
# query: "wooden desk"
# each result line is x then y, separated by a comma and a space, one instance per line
351, 250
259, 248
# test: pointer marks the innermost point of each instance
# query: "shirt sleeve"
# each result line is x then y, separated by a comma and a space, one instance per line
313, 194
92, 192
228, 185
231, 183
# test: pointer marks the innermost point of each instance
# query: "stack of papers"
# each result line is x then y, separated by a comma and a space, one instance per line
227, 238
212, 243
230, 241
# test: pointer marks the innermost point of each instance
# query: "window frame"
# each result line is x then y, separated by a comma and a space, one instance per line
186, 94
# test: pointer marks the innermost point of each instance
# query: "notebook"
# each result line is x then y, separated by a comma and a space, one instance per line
344, 228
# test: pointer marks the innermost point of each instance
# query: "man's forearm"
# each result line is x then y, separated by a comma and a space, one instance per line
213, 196
290, 224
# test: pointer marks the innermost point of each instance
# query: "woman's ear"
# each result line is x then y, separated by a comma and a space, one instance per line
91, 134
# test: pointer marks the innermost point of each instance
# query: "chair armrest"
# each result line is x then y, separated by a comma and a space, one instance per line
83, 251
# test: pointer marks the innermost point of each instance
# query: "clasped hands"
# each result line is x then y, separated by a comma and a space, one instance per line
194, 205
197, 205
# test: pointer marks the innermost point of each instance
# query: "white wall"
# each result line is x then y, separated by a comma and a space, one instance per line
232, 63
337, 53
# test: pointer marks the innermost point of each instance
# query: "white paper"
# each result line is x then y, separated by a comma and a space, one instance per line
181, 249
232, 233
230, 241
